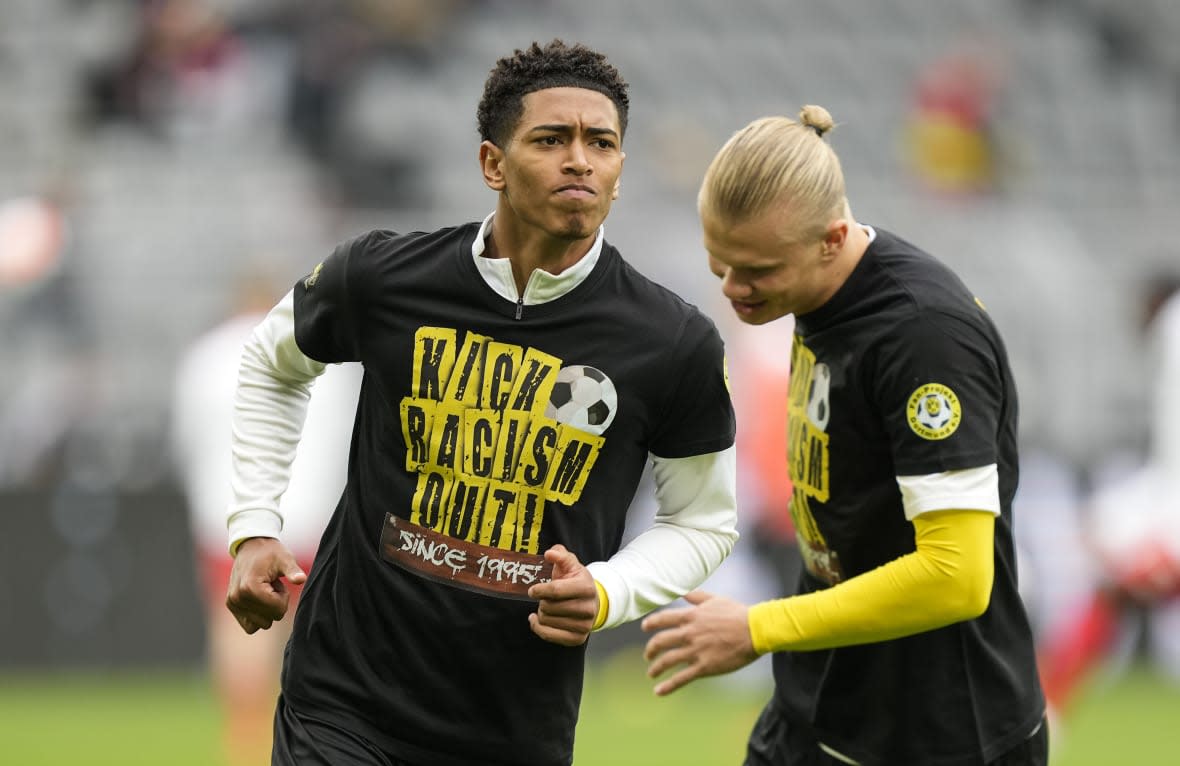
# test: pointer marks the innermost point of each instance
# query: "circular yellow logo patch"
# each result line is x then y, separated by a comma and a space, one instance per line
933, 411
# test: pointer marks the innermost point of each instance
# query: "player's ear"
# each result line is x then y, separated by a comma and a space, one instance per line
614, 194
835, 236
491, 163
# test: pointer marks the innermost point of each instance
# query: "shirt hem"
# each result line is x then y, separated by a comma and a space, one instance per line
402, 750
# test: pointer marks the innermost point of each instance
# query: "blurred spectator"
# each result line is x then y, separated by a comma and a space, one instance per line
340, 50
951, 137
32, 235
43, 332
183, 61
245, 668
1133, 530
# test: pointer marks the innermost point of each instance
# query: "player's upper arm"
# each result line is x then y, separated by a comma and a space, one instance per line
953, 513
328, 300
958, 547
975, 488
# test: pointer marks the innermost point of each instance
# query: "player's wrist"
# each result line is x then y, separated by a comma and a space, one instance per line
238, 545
603, 606
761, 621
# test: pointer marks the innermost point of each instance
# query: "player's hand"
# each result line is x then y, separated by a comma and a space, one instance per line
568, 602
709, 638
257, 595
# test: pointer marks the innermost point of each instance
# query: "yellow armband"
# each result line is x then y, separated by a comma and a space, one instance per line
946, 580
603, 606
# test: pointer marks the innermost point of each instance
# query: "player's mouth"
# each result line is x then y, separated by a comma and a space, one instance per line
576, 191
747, 308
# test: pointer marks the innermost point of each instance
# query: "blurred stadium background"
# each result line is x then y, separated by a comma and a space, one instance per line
154, 154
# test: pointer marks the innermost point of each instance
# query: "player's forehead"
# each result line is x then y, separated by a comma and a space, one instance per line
755, 242
570, 108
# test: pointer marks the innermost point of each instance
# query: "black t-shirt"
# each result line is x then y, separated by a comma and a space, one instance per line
902, 373
511, 426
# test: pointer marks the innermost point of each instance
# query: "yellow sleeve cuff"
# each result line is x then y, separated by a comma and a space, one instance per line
946, 580
603, 606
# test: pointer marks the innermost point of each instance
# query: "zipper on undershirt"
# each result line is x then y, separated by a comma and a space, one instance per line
519, 307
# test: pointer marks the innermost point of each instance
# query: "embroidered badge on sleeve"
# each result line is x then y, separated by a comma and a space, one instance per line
314, 277
933, 411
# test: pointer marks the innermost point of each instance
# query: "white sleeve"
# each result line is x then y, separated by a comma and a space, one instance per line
694, 530
967, 489
270, 405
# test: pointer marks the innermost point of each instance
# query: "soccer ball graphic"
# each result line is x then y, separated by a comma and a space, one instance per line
934, 411
583, 397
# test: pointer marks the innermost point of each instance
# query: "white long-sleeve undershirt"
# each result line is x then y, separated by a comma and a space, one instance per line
270, 406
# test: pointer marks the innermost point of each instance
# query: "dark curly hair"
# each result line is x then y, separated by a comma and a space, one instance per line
557, 65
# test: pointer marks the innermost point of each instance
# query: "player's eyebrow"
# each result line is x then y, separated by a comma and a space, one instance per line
568, 129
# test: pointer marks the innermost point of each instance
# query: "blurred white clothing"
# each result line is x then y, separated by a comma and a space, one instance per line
202, 413
1135, 516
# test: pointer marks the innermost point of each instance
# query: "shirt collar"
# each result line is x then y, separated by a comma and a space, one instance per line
542, 286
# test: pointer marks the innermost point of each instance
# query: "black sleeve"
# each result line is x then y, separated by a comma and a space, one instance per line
327, 304
940, 392
698, 418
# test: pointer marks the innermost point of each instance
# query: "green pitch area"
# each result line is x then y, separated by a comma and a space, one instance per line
147, 719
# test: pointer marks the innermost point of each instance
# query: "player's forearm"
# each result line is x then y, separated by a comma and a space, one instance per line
946, 580
270, 406
694, 531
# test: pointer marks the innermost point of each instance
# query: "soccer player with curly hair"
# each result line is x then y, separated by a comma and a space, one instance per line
519, 376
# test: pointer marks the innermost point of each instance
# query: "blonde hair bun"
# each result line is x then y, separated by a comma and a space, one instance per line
817, 118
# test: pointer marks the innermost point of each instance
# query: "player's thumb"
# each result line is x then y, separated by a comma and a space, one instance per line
556, 553
289, 568
565, 563
697, 597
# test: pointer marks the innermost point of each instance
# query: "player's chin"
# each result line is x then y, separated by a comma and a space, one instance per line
579, 225
576, 233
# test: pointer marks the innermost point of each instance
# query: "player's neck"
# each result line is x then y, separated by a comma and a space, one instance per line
532, 250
